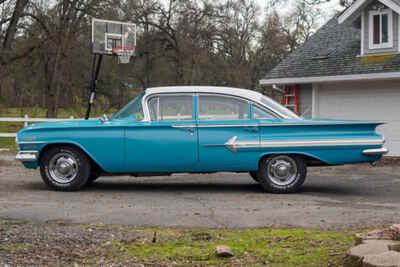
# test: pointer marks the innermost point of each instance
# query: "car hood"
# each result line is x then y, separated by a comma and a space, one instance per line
63, 124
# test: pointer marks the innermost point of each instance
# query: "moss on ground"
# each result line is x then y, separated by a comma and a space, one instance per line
275, 247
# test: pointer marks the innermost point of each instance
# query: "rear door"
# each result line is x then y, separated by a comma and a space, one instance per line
228, 138
168, 143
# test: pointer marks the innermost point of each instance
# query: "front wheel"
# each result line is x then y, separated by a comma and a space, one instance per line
64, 168
282, 173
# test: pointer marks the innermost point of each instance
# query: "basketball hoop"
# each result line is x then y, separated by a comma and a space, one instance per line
124, 53
109, 38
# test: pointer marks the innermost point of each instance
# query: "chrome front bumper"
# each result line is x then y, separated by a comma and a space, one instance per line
376, 152
27, 156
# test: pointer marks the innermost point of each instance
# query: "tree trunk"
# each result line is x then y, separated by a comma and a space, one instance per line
12, 28
179, 71
52, 87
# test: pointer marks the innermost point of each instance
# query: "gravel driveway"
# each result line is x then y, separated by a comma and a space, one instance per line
334, 198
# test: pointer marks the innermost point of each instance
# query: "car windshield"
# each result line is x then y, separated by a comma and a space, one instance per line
132, 111
275, 106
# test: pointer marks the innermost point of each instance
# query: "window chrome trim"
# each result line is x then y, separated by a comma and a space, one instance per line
147, 96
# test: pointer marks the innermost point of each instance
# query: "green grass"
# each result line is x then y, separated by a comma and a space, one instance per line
8, 144
10, 127
275, 247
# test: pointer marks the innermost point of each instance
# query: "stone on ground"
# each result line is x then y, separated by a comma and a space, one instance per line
386, 259
223, 251
371, 247
367, 248
375, 235
396, 231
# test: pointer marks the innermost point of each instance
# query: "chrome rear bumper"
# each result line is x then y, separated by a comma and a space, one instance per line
376, 151
27, 156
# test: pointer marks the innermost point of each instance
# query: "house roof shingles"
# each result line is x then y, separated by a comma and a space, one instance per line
333, 50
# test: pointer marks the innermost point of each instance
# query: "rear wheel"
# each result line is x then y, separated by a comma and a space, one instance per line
282, 173
64, 168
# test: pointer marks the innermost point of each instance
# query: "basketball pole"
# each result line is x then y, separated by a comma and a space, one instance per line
93, 85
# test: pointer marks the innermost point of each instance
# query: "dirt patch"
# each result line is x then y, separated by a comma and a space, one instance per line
388, 161
8, 163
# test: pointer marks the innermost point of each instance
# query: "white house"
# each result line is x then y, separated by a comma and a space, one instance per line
350, 68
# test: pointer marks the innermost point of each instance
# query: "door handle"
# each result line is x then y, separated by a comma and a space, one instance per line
189, 129
251, 129
186, 128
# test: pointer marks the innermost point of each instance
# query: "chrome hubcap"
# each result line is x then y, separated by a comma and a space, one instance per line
282, 170
63, 168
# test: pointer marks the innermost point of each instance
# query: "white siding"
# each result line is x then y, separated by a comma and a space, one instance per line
365, 101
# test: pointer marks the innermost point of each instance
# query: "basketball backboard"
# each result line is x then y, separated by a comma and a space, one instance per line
113, 37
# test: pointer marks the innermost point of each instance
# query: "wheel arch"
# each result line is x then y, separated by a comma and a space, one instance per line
93, 162
311, 160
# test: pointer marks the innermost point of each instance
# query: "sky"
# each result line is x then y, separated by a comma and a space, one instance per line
329, 9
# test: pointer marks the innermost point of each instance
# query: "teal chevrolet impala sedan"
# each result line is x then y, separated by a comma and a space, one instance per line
197, 129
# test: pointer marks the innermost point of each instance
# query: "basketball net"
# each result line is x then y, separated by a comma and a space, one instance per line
124, 53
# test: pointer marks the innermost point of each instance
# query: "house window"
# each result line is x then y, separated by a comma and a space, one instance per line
380, 29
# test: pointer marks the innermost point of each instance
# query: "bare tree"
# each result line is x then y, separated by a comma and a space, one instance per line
206, 42
300, 24
343, 3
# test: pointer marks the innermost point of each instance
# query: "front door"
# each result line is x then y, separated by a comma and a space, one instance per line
228, 138
168, 143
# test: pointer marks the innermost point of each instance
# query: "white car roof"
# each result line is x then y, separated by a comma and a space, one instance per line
249, 94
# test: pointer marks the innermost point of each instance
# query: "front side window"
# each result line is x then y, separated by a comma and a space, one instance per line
381, 33
171, 108
132, 111
215, 107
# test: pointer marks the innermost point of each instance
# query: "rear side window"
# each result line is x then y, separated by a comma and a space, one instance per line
259, 114
216, 107
171, 108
